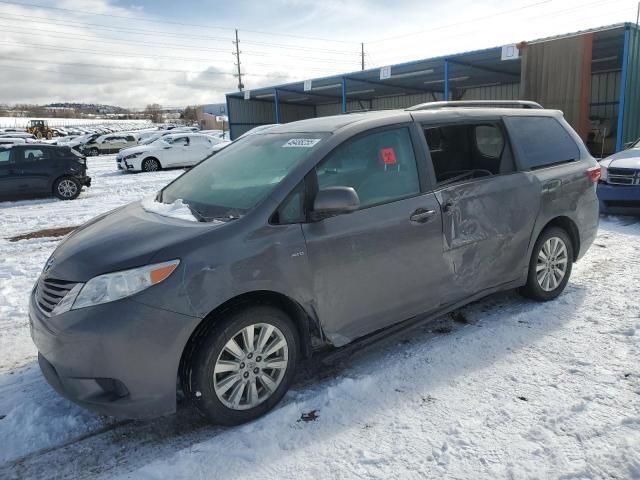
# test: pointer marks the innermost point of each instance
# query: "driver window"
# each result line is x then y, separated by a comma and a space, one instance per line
464, 152
380, 166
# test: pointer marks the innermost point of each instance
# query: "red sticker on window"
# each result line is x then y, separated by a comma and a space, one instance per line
388, 156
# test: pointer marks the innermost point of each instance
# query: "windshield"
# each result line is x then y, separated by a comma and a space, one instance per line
233, 181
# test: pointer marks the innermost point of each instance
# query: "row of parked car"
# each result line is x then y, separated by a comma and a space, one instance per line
30, 167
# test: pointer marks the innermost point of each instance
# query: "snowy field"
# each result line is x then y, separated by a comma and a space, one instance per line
506, 388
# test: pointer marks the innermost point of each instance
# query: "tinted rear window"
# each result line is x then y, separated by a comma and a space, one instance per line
543, 141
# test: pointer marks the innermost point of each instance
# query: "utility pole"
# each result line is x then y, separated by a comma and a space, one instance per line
237, 55
362, 51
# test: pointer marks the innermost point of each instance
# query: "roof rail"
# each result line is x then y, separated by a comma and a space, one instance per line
477, 103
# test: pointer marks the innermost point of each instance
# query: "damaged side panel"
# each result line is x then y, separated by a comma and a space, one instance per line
487, 224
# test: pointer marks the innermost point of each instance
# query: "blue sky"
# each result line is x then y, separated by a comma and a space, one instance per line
132, 53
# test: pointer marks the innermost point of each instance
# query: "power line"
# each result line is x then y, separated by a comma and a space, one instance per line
167, 57
129, 68
529, 19
135, 31
472, 20
210, 27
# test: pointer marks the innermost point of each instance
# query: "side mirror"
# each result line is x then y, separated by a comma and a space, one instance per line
334, 201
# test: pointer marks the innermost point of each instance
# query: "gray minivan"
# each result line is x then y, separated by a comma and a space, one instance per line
310, 235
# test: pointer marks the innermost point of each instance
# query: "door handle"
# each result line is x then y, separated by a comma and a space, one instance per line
551, 186
422, 215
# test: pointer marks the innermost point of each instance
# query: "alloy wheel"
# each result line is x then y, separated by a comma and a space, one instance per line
251, 366
67, 188
150, 165
551, 266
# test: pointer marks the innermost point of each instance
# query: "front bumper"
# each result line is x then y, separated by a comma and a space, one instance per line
84, 181
619, 199
117, 359
123, 164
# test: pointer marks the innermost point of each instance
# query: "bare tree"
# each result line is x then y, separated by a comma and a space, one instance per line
154, 112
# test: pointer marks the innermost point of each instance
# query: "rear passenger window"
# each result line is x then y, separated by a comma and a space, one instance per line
33, 154
4, 155
543, 141
463, 152
381, 167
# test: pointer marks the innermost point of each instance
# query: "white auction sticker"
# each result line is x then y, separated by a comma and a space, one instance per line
301, 142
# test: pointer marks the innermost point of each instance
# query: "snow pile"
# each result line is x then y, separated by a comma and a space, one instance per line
177, 209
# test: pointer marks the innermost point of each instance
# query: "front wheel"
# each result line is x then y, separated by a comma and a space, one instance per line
550, 265
67, 188
242, 367
94, 152
150, 165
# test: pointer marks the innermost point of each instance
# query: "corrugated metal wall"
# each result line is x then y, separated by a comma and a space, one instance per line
605, 88
246, 114
605, 92
631, 130
507, 91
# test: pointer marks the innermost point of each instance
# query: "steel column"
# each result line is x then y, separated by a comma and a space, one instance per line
623, 87
276, 101
446, 80
344, 95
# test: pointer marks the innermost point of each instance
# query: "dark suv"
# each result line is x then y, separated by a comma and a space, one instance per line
32, 170
309, 235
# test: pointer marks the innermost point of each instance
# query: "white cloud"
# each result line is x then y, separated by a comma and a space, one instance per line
58, 55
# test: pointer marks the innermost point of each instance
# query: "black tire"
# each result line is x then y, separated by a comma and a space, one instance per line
94, 152
49, 135
197, 372
533, 288
67, 188
150, 165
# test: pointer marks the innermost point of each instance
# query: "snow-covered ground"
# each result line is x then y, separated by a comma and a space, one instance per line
516, 390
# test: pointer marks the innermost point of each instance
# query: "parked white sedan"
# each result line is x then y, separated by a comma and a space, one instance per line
175, 150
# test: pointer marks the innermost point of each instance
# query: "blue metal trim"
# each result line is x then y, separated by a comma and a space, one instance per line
623, 87
344, 95
446, 80
363, 73
276, 102
229, 117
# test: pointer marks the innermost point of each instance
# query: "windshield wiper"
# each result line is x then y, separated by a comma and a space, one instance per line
197, 214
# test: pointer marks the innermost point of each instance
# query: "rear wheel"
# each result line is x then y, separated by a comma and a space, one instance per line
38, 134
94, 152
550, 265
150, 165
49, 135
67, 188
243, 366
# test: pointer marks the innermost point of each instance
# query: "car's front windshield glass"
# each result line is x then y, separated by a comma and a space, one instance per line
237, 178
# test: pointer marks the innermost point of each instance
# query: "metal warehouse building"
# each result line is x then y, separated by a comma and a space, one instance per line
593, 76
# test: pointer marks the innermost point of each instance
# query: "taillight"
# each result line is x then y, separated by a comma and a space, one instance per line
594, 173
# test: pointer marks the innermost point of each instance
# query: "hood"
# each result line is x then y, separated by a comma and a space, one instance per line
136, 149
125, 238
624, 159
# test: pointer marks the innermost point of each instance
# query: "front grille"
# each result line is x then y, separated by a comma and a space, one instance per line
623, 176
49, 292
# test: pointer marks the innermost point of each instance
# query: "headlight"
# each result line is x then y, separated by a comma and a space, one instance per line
604, 175
114, 286
133, 155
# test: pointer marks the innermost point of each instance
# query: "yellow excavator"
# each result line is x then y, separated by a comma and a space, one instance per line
40, 129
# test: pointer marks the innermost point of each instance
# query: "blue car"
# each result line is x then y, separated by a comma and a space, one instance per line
619, 187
